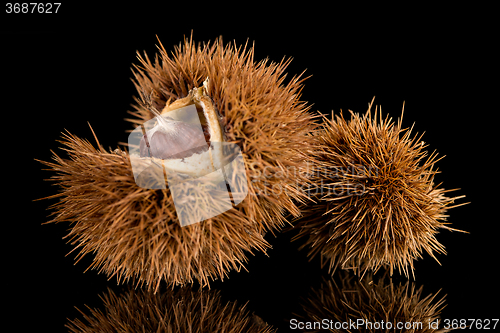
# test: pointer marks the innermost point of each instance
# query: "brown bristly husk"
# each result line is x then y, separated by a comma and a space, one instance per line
378, 203
375, 302
184, 310
266, 118
134, 232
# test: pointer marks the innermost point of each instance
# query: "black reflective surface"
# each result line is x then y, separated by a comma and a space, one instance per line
62, 77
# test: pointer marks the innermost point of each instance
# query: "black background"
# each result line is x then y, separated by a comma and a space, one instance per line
63, 70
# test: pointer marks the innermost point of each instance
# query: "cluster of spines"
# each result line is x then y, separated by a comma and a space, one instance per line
378, 205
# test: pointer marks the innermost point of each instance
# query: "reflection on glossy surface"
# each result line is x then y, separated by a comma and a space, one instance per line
184, 310
346, 304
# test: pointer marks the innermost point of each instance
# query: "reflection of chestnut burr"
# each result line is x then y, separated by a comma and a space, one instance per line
377, 306
184, 310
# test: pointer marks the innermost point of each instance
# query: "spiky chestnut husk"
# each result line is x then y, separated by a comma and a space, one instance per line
374, 301
378, 204
134, 232
184, 310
